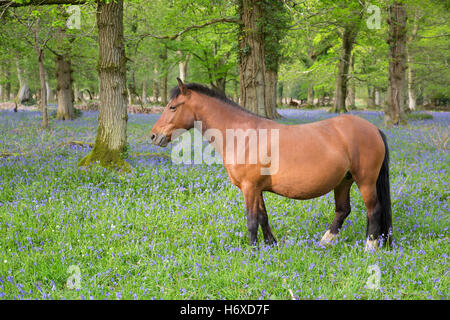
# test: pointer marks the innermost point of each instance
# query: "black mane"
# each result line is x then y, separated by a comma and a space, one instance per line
175, 92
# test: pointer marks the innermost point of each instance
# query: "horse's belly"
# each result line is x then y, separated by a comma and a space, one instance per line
306, 180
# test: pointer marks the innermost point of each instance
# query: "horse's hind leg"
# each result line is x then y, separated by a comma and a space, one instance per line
342, 201
373, 231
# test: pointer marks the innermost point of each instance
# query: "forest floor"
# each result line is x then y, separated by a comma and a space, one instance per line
167, 231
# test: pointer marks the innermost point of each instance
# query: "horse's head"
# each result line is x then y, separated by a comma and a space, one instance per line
177, 115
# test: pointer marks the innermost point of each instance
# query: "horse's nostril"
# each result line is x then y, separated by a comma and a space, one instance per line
153, 136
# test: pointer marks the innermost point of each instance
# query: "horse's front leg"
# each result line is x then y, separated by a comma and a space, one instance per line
256, 215
251, 205
263, 221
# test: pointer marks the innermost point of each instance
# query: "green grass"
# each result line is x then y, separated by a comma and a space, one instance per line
179, 232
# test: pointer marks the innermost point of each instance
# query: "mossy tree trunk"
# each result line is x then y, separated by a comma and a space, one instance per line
270, 91
111, 141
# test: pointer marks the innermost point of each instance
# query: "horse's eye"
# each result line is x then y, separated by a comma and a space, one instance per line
173, 108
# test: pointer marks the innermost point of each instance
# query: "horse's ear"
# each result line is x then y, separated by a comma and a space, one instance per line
182, 87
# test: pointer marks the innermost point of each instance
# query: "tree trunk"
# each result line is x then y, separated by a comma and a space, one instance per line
370, 96
19, 74
412, 98
182, 65
7, 90
156, 84
65, 94
270, 91
163, 84
219, 85
280, 93
76, 93
129, 96
111, 141
43, 95
377, 97
348, 39
236, 91
310, 99
164, 90
252, 58
47, 88
42, 75
2, 86
3, 68
397, 64
350, 100
144, 92
24, 91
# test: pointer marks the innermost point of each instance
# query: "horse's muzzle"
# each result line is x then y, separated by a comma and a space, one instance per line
159, 139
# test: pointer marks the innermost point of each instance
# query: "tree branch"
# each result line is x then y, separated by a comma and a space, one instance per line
195, 26
25, 3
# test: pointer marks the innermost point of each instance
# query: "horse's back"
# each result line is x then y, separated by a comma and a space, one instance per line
315, 157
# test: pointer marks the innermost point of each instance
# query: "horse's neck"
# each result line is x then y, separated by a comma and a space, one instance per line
222, 116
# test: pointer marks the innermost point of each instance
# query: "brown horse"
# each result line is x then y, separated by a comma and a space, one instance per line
306, 161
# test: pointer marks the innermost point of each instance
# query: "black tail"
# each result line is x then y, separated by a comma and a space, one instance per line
384, 196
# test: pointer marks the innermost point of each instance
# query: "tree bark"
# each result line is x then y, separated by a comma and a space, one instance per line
252, 58
47, 87
7, 90
163, 84
42, 76
397, 64
3, 83
377, 97
111, 141
182, 65
348, 39
219, 85
155, 84
412, 97
350, 100
279, 93
40, 54
144, 91
270, 92
24, 91
3, 68
65, 94
310, 98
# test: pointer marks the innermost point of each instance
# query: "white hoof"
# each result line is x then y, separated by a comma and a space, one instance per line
371, 245
328, 238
